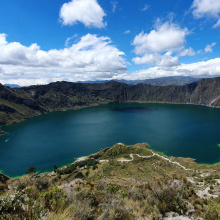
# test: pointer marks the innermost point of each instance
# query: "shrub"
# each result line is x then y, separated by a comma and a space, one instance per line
163, 207
22, 183
12, 205
123, 193
101, 185
42, 183
212, 213
120, 213
113, 188
210, 191
68, 170
55, 168
53, 199
2, 186
94, 167
31, 170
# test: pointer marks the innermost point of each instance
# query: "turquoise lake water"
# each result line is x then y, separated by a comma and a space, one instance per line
60, 137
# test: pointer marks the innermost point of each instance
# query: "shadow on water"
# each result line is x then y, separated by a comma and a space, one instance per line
138, 110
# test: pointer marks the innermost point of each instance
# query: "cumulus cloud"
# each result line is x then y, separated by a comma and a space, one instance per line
148, 58
206, 7
88, 12
208, 68
210, 8
91, 57
187, 52
161, 48
157, 46
166, 60
3, 39
166, 37
209, 47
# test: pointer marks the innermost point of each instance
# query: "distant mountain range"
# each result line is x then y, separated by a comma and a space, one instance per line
17, 104
163, 81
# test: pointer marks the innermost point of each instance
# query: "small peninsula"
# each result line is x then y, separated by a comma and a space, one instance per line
120, 182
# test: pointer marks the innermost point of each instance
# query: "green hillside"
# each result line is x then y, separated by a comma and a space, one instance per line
121, 182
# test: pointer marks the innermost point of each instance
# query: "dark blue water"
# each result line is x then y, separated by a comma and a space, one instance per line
59, 137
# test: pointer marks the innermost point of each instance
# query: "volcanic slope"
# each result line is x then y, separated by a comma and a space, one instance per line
17, 104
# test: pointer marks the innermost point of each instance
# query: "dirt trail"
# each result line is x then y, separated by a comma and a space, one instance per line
153, 154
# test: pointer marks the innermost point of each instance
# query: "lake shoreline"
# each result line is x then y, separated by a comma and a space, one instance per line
111, 103
83, 158
122, 106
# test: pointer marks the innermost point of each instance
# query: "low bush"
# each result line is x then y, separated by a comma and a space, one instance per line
42, 183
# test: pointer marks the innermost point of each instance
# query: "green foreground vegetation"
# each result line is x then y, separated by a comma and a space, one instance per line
115, 183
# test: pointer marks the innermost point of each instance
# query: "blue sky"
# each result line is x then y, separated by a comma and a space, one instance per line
43, 41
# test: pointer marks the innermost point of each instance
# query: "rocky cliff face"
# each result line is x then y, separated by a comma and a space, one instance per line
17, 104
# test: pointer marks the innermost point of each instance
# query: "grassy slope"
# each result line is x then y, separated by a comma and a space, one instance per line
113, 190
140, 189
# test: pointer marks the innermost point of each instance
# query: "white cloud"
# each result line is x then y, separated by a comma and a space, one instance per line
208, 48
127, 32
166, 37
199, 52
146, 6
206, 7
217, 24
210, 8
88, 12
208, 68
91, 58
69, 39
114, 6
187, 52
166, 60
158, 46
3, 39
149, 58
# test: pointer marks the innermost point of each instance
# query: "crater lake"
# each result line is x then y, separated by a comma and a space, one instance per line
60, 137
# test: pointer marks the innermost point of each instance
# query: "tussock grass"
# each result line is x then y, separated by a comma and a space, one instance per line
144, 188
